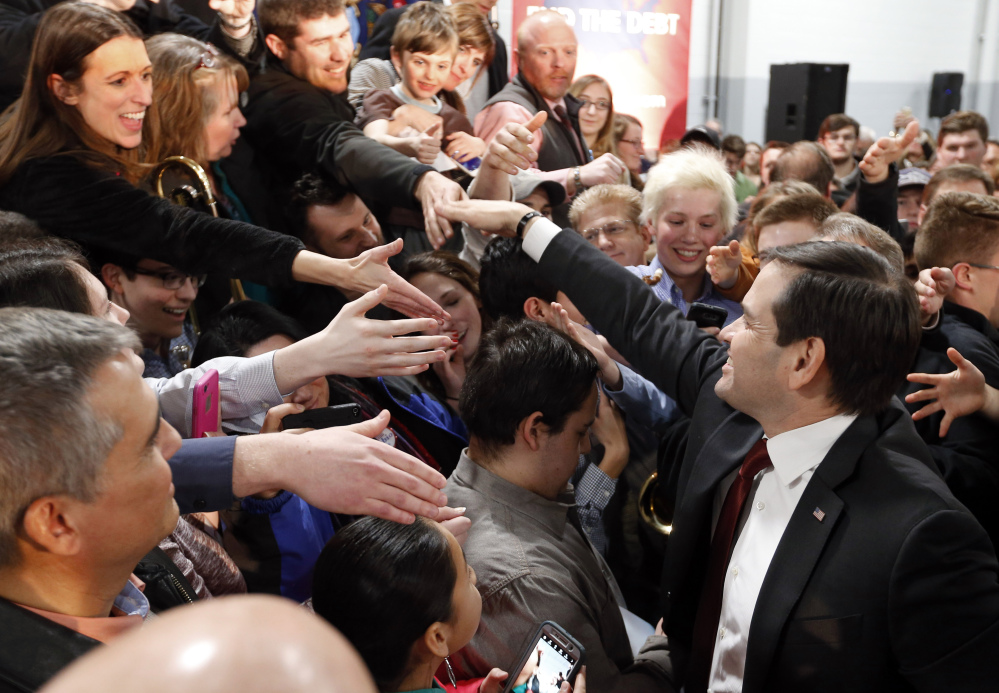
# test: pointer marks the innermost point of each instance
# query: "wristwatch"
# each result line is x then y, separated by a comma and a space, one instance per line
524, 220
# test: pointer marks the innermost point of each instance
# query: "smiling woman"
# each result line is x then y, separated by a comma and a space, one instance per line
71, 152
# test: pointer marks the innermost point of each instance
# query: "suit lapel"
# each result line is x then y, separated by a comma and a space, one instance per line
800, 548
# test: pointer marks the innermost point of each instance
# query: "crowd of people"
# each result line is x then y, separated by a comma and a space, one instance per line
476, 359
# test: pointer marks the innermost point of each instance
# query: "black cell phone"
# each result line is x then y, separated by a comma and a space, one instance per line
704, 315
325, 417
551, 657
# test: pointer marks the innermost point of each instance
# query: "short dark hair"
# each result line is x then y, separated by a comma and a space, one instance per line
310, 191
844, 226
382, 584
807, 206
508, 278
238, 326
864, 311
44, 273
733, 144
958, 227
805, 161
281, 17
520, 368
838, 121
17, 227
962, 121
956, 173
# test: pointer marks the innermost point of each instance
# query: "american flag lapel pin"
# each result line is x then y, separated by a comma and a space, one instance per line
819, 515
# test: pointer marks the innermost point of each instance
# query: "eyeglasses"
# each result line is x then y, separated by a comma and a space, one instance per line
209, 58
975, 264
609, 230
636, 143
602, 104
173, 279
840, 138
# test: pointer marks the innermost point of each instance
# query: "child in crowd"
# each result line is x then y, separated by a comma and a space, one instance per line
410, 117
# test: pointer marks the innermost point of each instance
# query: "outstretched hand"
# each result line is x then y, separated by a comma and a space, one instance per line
723, 264
932, 287
490, 216
434, 189
609, 371
958, 393
510, 149
370, 270
886, 151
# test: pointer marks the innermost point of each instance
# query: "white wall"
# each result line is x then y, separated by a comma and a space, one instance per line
893, 48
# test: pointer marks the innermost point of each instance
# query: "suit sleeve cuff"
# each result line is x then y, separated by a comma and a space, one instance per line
537, 238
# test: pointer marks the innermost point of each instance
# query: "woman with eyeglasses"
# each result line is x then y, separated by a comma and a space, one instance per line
596, 114
72, 155
630, 148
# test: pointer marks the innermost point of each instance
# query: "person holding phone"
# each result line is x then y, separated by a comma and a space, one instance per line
406, 598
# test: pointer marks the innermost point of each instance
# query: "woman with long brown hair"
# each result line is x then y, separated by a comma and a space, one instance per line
596, 115
71, 154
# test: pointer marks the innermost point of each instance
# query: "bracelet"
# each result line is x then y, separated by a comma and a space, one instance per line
577, 180
522, 224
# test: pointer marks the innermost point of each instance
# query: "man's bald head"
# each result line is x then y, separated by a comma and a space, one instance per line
546, 53
248, 643
805, 161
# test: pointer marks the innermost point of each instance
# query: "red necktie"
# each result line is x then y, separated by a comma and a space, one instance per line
709, 610
563, 117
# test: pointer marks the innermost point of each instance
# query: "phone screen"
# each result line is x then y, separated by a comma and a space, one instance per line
547, 666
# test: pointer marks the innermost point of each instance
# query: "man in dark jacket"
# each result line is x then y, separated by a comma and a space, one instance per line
961, 231
299, 121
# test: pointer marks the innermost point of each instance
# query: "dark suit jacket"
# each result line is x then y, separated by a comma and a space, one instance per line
895, 589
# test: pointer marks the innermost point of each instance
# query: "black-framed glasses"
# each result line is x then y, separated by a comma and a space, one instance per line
610, 229
172, 279
975, 264
601, 104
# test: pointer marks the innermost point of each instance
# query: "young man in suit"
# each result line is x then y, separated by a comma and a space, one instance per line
815, 546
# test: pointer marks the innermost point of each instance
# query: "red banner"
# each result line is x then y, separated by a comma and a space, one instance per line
642, 49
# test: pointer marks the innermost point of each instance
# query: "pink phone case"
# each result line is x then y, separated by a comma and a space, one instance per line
205, 417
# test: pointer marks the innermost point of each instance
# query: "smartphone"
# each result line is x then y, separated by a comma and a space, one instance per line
206, 416
551, 656
704, 315
324, 417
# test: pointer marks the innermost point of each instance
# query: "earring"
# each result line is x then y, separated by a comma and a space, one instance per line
450, 672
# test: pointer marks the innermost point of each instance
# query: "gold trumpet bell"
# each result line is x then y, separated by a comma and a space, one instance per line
653, 510
184, 182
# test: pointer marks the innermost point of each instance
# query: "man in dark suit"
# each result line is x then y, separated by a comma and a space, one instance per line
832, 556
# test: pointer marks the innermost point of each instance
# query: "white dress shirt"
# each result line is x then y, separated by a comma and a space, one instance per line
775, 493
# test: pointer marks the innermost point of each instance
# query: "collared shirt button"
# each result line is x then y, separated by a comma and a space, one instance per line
721, 632
735, 572
760, 505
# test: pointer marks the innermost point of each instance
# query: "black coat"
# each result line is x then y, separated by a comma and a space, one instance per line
99, 210
968, 457
895, 589
297, 128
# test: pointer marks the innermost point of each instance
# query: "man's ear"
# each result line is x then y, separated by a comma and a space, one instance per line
535, 309
435, 640
962, 276
645, 231
63, 90
810, 357
112, 274
277, 46
530, 430
49, 524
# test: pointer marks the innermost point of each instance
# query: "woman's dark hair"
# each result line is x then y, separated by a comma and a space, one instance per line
39, 124
446, 264
382, 584
43, 273
238, 326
